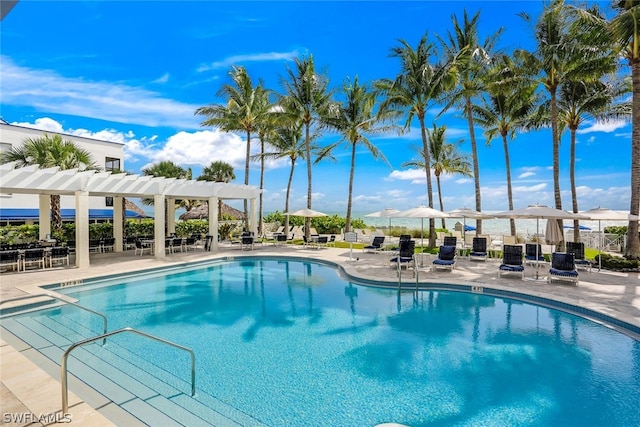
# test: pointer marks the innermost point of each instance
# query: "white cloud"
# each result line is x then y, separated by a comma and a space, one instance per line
48, 91
416, 176
255, 57
43, 123
162, 79
608, 126
526, 175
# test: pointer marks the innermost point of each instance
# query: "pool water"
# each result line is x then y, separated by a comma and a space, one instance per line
291, 343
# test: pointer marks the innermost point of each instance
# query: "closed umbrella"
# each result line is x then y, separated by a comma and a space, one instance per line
422, 212
605, 214
553, 234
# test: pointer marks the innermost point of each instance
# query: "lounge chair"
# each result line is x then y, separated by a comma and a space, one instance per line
322, 241
33, 256
446, 258
511, 261
533, 253
479, 249
10, 259
577, 248
404, 257
563, 268
332, 241
450, 241
375, 245
59, 254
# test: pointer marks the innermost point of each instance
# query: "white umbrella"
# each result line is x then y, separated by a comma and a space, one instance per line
308, 213
422, 212
604, 214
465, 213
539, 212
385, 213
553, 234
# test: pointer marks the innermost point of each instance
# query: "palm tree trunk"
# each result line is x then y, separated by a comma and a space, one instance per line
260, 209
246, 179
476, 167
556, 159
351, 174
427, 168
632, 250
507, 163
572, 177
307, 149
56, 215
286, 200
444, 225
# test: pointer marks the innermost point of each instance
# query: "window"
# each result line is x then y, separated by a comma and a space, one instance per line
111, 164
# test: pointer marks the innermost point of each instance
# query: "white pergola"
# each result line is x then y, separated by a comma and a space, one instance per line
84, 184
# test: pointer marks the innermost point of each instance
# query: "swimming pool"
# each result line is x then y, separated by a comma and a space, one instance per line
290, 343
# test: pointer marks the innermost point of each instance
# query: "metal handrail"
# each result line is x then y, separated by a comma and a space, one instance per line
63, 364
104, 318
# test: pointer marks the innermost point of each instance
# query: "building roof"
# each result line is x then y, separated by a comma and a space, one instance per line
20, 214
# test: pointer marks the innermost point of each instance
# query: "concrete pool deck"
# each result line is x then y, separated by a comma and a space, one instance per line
28, 389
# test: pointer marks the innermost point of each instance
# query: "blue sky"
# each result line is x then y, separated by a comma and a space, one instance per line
134, 72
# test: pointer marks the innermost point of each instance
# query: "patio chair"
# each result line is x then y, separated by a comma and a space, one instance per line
511, 261
450, 241
10, 259
563, 268
59, 254
33, 256
143, 246
446, 258
247, 242
108, 244
533, 253
332, 241
577, 248
375, 245
404, 257
323, 241
479, 249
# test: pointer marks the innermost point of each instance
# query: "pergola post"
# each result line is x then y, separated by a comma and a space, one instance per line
44, 205
118, 228
213, 222
171, 215
82, 229
158, 231
253, 223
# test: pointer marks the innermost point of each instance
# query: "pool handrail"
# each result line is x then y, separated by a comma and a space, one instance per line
104, 318
63, 363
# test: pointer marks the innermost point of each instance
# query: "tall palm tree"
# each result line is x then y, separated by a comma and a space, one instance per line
418, 86
445, 158
241, 112
563, 53
471, 57
165, 169
625, 29
266, 129
355, 119
307, 97
218, 171
578, 101
50, 151
506, 108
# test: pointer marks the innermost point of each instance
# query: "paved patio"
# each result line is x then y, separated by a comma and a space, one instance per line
28, 389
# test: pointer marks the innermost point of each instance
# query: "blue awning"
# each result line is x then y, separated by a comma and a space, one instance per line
19, 214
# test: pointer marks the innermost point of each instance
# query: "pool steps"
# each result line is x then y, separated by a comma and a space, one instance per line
146, 399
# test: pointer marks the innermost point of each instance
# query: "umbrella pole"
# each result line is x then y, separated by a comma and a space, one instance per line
599, 246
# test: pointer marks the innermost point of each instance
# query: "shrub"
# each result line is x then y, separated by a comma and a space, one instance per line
617, 263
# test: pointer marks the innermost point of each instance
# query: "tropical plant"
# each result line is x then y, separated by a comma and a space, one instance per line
241, 112
445, 158
355, 119
50, 151
418, 86
166, 169
218, 171
307, 98
471, 58
507, 107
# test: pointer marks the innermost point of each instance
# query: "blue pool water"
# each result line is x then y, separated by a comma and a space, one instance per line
291, 343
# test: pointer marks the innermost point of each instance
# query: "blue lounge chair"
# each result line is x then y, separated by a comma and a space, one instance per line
404, 257
479, 249
563, 268
511, 260
446, 258
375, 245
577, 248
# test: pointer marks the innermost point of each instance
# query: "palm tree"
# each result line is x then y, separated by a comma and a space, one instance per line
165, 169
266, 126
471, 58
307, 97
355, 119
418, 86
506, 108
50, 151
241, 112
626, 33
218, 171
445, 158
564, 53
580, 100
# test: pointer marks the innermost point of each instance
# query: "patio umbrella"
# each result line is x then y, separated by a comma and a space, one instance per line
422, 212
553, 235
539, 212
307, 213
465, 213
605, 214
385, 213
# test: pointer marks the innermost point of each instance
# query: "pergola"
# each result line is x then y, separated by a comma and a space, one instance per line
84, 184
